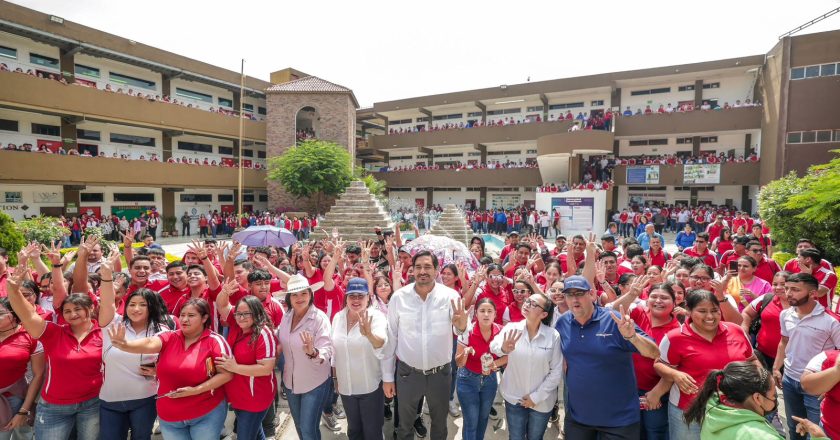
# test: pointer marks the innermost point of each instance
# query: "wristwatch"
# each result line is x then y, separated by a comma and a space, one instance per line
26, 413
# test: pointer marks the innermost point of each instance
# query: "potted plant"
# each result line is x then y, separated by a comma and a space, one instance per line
169, 226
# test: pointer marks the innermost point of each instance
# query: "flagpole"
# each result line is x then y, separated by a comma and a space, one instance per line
241, 122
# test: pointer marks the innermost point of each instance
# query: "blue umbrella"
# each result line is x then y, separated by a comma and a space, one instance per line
265, 236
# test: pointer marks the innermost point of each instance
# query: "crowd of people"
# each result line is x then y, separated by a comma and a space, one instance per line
587, 184
152, 157
692, 350
492, 165
596, 121
688, 107
130, 91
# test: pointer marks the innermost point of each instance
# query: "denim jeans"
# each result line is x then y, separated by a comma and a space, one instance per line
677, 427
475, 393
799, 404
306, 409
24, 432
115, 418
208, 426
249, 424
454, 371
654, 423
525, 423
56, 422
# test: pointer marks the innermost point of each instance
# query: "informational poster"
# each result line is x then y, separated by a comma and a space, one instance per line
53, 146
505, 201
701, 174
643, 175
131, 212
577, 214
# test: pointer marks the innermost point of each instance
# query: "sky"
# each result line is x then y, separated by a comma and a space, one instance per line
387, 50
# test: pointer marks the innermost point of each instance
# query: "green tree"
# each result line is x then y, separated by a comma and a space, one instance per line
44, 230
312, 168
10, 238
806, 207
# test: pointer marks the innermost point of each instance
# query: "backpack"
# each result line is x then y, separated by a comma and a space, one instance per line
755, 325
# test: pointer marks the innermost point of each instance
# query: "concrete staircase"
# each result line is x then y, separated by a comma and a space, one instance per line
452, 224
355, 214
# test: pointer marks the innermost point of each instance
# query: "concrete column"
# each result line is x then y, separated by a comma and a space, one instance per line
67, 64
482, 198
166, 146
236, 100
615, 99
748, 148
695, 146
68, 133
575, 173
746, 203
430, 197
165, 86
168, 204
72, 201
693, 197
698, 92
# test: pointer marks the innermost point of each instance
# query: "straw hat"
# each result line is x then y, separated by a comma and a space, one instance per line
298, 282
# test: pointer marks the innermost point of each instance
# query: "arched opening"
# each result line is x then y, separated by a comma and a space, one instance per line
307, 123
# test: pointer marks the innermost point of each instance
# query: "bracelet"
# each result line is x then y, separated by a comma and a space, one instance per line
58, 266
630, 338
313, 355
106, 281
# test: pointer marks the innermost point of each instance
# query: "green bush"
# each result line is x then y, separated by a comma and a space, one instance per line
44, 230
11, 238
782, 257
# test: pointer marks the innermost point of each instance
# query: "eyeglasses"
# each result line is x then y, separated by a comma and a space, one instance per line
696, 278
242, 315
576, 293
554, 290
531, 303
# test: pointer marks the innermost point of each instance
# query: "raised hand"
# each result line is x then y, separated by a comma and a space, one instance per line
16, 278
117, 335
510, 340
235, 249
53, 254
220, 250
805, 426
626, 326
459, 314
33, 250
68, 257
229, 288
198, 249
600, 271
398, 267
365, 323
308, 343
90, 241
262, 261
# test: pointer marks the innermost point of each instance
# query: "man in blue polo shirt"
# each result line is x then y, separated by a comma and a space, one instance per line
598, 344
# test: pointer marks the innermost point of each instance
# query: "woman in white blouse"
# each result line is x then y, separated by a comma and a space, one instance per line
534, 368
358, 335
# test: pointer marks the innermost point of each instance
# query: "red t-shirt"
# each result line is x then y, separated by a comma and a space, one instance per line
250, 393
694, 355
563, 258
766, 269
727, 257
831, 403
714, 230
513, 312
709, 257
646, 377
209, 296
657, 259
724, 246
329, 302
770, 334
828, 279
15, 352
500, 299
74, 369
505, 251
172, 295
188, 367
480, 345
791, 266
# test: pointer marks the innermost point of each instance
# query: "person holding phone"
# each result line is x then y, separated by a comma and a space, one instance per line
189, 403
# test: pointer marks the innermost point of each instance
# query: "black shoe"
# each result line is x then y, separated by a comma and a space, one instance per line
388, 413
493, 414
420, 428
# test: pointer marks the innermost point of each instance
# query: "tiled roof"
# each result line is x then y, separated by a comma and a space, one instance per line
310, 84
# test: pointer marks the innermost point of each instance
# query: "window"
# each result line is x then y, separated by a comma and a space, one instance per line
188, 198
132, 140
184, 93
503, 153
658, 142
224, 197
248, 153
505, 111
824, 136
447, 189
130, 81
46, 130
226, 150
261, 110
797, 73
650, 91
474, 154
565, 106
836, 135
686, 140
260, 154
87, 71
711, 85
8, 125
450, 155
475, 114
399, 121
224, 102
92, 197
248, 107
535, 108
809, 137
90, 135
812, 71
134, 197
422, 119
531, 152
264, 197
452, 116
708, 140
422, 156
596, 103
794, 138
8, 52
687, 88
828, 69
247, 197
194, 146
642, 142
43, 61
14, 197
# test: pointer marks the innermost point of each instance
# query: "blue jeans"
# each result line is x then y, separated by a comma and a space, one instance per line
24, 432
525, 423
654, 423
116, 417
800, 404
249, 424
454, 371
208, 426
677, 428
306, 409
56, 422
475, 393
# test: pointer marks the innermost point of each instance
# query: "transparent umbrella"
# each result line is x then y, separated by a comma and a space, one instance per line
265, 236
445, 249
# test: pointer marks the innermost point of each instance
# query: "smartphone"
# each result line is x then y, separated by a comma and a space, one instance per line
733, 265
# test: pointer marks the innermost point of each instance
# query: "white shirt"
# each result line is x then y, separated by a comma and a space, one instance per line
122, 378
534, 368
683, 217
807, 337
419, 332
358, 366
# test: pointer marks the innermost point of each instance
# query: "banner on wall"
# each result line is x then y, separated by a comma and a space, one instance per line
505, 201
701, 174
131, 212
643, 175
53, 146
577, 214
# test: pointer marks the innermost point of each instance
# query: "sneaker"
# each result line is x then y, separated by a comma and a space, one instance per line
330, 422
338, 412
454, 411
555, 414
388, 413
493, 414
420, 428
283, 395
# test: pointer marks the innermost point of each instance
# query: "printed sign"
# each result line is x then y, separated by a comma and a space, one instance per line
643, 175
701, 174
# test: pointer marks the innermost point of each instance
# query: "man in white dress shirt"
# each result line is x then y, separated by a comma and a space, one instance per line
421, 319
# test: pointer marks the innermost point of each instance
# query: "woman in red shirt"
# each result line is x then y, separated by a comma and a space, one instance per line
723, 242
688, 353
18, 349
189, 405
70, 396
251, 391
